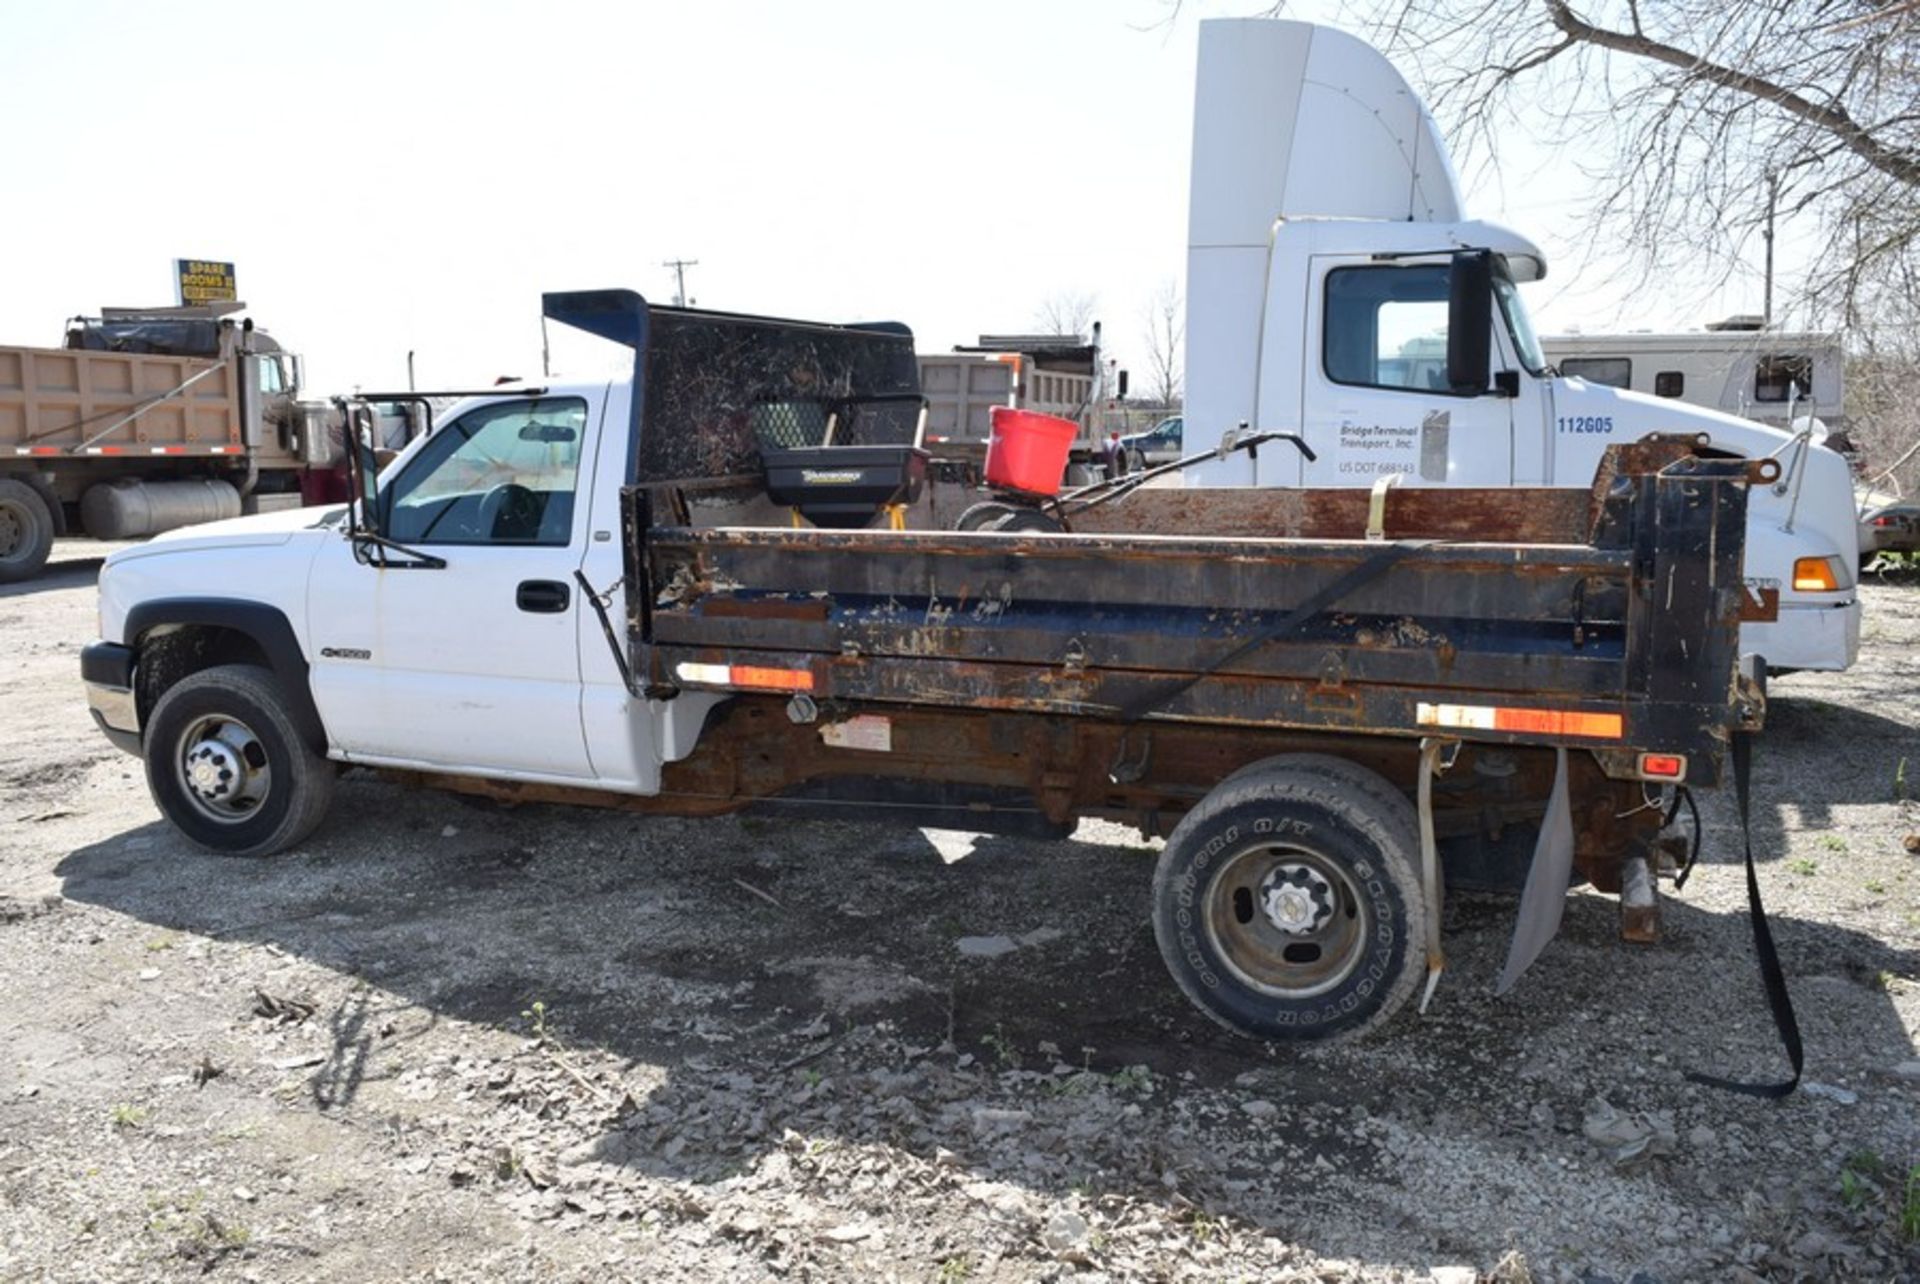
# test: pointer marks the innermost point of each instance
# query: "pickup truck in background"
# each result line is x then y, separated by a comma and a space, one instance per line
600, 593
1160, 444
1336, 289
149, 419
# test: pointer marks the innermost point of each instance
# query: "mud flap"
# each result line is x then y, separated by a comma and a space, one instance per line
1545, 897
1771, 977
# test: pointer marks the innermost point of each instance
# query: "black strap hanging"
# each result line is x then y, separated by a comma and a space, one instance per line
1771, 976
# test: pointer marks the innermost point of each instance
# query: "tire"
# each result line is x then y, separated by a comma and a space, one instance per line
233, 719
26, 531
1337, 850
980, 516
1026, 519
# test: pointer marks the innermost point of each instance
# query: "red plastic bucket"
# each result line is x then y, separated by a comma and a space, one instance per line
1029, 450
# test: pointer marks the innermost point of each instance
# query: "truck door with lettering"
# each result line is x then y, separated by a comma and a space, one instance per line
1377, 400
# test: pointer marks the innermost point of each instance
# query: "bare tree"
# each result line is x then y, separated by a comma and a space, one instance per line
1163, 338
1066, 312
1695, 120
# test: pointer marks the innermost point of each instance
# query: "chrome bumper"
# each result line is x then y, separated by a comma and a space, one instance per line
107, 670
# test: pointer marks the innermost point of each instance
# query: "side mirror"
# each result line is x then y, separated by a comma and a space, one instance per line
1123, 385
299, 373
357, 440
1470, 320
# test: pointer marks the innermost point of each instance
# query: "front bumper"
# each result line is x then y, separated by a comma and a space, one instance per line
107, 670
1806, 636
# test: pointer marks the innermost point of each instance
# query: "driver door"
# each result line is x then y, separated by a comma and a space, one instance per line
1377, 397
474, 665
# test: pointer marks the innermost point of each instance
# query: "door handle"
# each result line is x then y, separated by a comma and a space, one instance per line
542, 597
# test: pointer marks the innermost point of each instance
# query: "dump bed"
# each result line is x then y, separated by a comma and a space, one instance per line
71, 401
1620, 637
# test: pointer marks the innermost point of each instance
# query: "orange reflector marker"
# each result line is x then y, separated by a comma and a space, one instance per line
1532, 722
750, 675
1663, 766
745, 675
1815, 575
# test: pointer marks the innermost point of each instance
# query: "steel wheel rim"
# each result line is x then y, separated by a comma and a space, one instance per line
1327, 921
222, 768
14, 525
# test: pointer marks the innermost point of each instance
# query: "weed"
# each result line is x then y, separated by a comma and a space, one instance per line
1910, 1206
1833, 842
1203, 1226
164, 941
1875, 886
125, 1115
537, 1015
1865, 1162
813, 1077
1854, 1189
954, 1269
1133, 1079
1003, 1050
1802, 866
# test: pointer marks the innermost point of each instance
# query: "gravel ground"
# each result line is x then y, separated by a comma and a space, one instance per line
446, 1040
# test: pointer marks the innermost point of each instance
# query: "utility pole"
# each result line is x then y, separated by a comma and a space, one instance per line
1773, 200
680, 267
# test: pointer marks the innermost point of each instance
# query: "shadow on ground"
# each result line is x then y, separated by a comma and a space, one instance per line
762, 951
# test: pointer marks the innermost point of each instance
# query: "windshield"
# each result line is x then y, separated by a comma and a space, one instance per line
1519, 324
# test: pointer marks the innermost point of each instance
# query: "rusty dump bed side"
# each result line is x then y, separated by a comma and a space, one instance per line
1623, 643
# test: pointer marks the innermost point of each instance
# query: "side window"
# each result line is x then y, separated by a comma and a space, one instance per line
1670, 383
271, 379
1386, 327
1783, 379
502, 474
1614, 372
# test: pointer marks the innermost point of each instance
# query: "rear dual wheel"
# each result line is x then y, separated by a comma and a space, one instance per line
1288, 905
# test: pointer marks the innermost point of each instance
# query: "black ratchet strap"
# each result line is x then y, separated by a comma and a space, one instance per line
1369, 569
1770, 975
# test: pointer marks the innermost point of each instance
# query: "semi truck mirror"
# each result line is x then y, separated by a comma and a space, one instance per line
1123, 385
299, 374
1469, 320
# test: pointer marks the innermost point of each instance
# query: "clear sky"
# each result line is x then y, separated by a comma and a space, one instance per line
395, 176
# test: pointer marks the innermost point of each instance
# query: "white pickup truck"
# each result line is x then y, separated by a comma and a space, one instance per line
1325, 219
596, 593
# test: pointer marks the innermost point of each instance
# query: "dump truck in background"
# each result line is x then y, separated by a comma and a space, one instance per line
150, 419
1054, 374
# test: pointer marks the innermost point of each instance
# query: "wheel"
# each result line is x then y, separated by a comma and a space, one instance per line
982, 515
1027, 519
227, 766
1288, 904
26, 531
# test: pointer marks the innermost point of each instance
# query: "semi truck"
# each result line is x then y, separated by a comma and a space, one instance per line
146, 419
1328, 246
1328, 702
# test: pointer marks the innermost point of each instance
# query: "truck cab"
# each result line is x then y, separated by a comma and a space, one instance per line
1335, 283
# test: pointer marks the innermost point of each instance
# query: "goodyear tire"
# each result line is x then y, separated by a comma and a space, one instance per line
228, 767
1288, 904
26, 531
